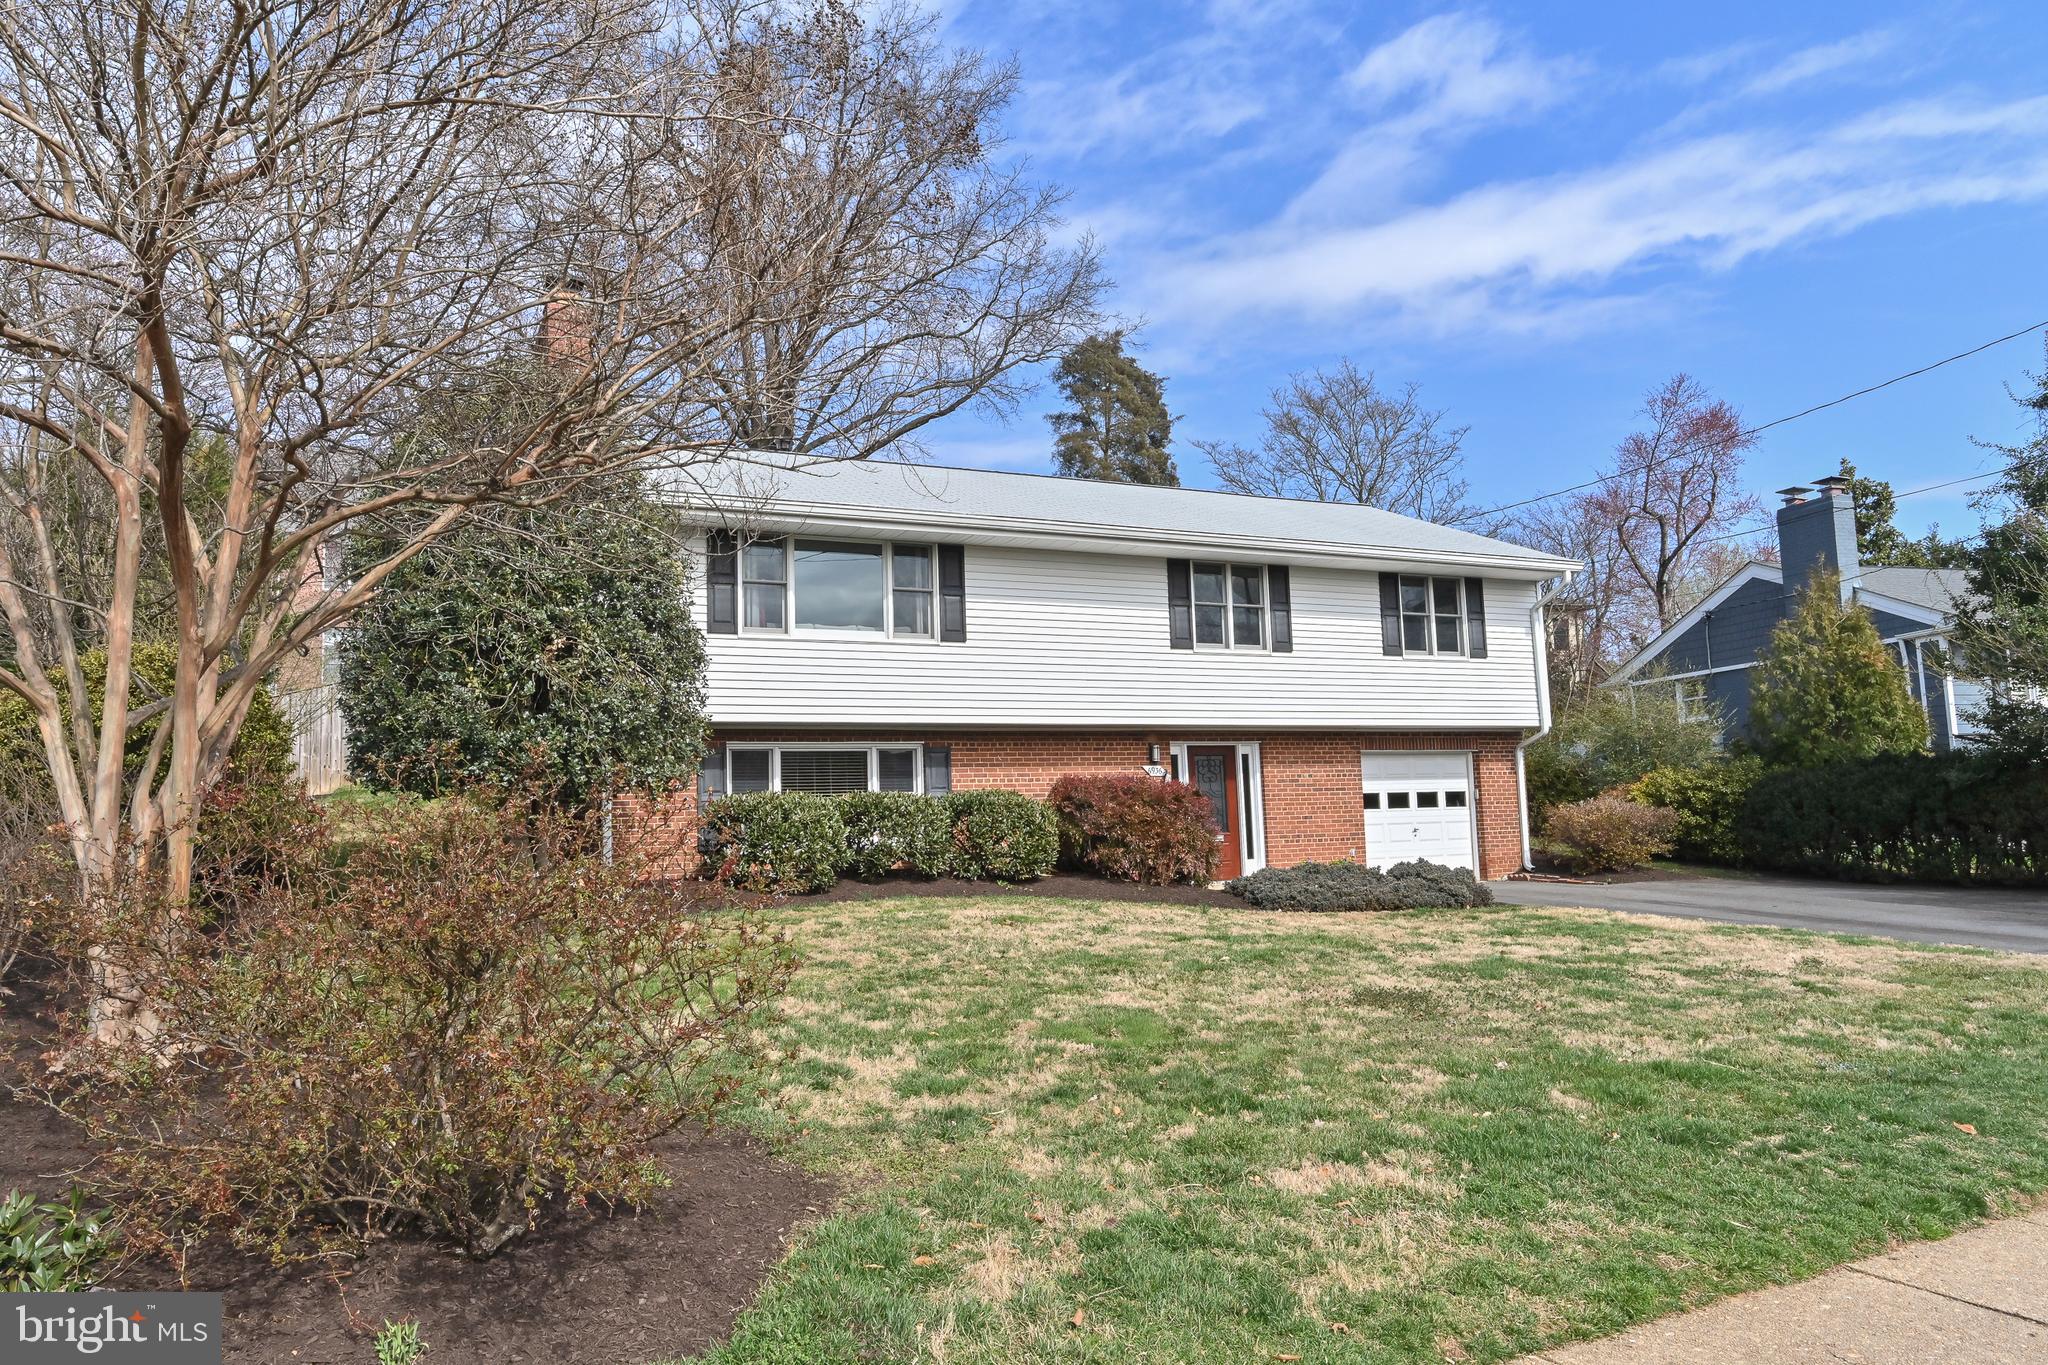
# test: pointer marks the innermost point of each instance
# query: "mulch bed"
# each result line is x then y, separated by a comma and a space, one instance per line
621, 1288
1065, 885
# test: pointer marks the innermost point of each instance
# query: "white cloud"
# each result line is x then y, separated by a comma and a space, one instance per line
1557, 247
1443, 79
1825, 59
1458, 68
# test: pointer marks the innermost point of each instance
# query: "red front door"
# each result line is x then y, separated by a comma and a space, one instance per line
1212, 771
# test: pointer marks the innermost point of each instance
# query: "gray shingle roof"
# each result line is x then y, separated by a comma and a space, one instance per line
1936, 589
938, 493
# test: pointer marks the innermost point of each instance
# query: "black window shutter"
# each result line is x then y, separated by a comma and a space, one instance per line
721, 584
1390, 613
1475, 617
938, 770
1282, 607
711, 774
1180, 603
952, 592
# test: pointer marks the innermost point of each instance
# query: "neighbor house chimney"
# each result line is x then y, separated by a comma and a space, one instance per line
1817, 533
567, 328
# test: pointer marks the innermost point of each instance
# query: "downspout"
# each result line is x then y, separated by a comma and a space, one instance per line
1541, 653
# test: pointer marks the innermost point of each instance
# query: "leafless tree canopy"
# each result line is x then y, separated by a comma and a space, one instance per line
1662, 528
1335, 436
250, 253
888, 268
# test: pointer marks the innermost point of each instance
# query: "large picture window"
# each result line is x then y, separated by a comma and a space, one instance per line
1230, 606
828, 770
1432, 615
839, 587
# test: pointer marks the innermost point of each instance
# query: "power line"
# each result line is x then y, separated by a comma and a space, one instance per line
1775, 422
1896, 497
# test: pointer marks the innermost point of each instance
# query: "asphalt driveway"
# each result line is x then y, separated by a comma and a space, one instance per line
2016, 921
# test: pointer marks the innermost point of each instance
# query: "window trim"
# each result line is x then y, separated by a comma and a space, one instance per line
889, 590
1429, 615
1230, 608
873, 750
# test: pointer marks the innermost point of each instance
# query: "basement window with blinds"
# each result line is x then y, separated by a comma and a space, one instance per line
825, 770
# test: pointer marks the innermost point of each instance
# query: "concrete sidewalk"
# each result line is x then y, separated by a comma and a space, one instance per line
1979, 1297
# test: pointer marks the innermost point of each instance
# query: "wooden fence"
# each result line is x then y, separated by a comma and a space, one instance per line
320, 743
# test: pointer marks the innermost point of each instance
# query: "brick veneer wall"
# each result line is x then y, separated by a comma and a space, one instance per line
1311, 783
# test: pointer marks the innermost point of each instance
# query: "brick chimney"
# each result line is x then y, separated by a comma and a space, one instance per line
567, 328
1817, 532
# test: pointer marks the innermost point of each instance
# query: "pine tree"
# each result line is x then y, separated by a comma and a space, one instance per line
1880, 542
1825, 688
1116, 426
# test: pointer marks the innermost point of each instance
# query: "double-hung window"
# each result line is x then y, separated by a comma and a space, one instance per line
764, 578
826, 769
1230, 606
838, 587
910, 590
1691, 696
1432, 615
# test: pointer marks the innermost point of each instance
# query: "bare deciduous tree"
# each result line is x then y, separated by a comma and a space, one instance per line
890, 271
249, 250
1659, 531
1335, 436
1673, 495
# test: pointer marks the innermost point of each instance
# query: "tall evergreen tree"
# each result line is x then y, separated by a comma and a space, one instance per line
2001, 628
1880, 542
1826, 688
1116, 426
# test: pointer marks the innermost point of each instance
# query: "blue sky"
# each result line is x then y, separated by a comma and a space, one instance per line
1539, 212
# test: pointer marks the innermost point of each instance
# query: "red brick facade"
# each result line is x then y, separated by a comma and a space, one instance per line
1311, 781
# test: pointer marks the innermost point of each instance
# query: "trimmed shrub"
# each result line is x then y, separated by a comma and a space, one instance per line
774, 841
1958, 817
1706, 800
52, 1248
1353, 886
480, 1021
1607, 833
1132, 828
890, 830
1001, 836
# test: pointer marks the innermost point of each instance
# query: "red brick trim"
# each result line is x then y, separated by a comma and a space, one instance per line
1311, 781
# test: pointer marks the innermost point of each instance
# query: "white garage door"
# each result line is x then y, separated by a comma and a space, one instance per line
1418, 806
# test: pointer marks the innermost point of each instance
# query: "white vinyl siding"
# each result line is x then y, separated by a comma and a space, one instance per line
1058, 637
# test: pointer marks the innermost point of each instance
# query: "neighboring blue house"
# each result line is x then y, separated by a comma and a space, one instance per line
1706, 654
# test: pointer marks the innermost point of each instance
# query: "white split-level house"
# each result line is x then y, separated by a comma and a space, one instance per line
1340, 681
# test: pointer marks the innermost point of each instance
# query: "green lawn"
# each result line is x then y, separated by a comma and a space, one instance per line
1072, 1131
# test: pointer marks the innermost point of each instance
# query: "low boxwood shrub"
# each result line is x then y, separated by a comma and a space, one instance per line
1971, 819
1001, 836
1354, 886
775, 841
886, 831
481, 1021
1133, 828
50, 1247
1706, 799
1609, 832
